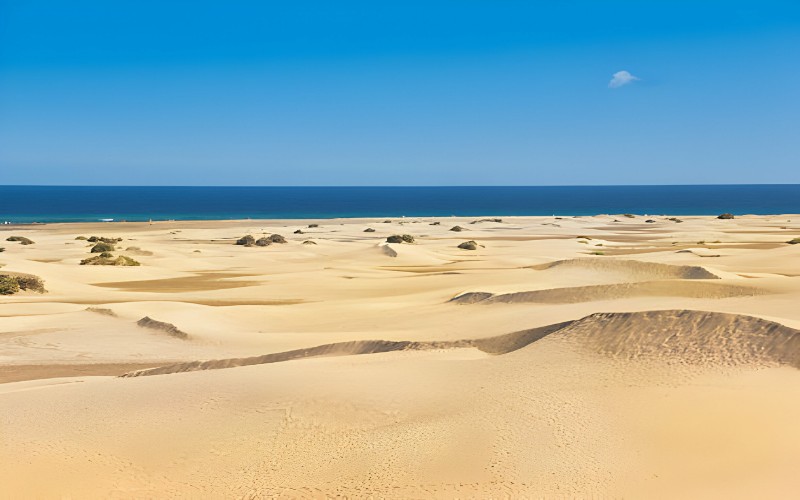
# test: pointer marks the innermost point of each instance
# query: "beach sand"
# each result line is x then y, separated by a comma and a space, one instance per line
565, 357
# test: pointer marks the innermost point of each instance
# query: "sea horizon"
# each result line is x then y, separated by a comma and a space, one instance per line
24, 204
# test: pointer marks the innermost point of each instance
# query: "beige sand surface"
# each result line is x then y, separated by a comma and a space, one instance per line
565, 357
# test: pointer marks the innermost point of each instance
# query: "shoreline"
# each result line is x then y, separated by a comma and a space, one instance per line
380, 218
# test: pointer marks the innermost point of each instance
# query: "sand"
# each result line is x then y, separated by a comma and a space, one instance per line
565, 357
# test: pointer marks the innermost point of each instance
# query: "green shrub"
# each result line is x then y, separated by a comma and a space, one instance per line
103, 239
102, 247
99, 260
13, 283
23, 240
80, 237
400, 238
247, 241
794, 241
8, 285
30, 282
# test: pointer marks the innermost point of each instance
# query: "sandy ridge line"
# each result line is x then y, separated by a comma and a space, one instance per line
692, 337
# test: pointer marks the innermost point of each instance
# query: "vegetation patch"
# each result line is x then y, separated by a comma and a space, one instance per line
400, 238
102, 247
13, 283
246, 240
103, 239
102, 310
794, 241
21, 239
106, 259
169, 328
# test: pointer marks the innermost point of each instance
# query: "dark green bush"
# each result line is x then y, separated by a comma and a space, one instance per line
99, 260
13, 283
102, 247
30, 282
247, 241
103, 239
23, 240
8, 285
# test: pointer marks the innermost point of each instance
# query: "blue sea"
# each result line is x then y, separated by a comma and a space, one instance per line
27, 204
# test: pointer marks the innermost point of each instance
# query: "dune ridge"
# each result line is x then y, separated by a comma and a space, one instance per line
691, 337
633, 268
590, 293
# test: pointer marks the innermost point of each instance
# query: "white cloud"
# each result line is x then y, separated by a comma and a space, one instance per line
621, 78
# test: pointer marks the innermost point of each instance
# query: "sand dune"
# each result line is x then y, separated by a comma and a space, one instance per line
353, 375
572, 295
632, 269
690, 337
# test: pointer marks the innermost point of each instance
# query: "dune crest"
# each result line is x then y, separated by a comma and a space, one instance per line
634, 269
685, 336
573, 295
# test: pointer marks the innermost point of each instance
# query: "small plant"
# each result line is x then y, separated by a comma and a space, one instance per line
2, 249
794, 241
99, 260
702, 242
21, 239
398, 238
457, 229
468, 245
247, 241
725, 216
630, 216
8, 285
277, 238
102, 247
598, 252
29, 282
11, 284
103, 239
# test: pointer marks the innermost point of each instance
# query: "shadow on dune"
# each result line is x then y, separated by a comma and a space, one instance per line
682, 336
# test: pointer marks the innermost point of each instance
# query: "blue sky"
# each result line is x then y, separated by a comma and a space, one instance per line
399, 93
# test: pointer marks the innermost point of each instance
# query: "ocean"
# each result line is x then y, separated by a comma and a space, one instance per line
28, 204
